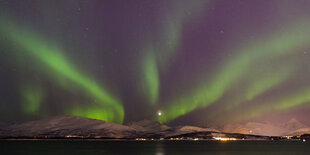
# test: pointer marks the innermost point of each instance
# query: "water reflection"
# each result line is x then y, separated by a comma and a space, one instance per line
153, 147
160, 150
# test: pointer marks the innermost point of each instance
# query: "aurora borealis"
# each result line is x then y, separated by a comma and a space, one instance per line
194, 62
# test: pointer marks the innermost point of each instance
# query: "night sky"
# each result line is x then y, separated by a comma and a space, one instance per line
195, 62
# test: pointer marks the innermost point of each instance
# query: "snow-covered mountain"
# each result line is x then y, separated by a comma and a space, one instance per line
148, 126
181, 130
68, 126
79, 127
149, 129
290, 128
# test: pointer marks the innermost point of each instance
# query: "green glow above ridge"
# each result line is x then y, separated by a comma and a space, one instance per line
31, 100
54, 59
284, 42
94, 112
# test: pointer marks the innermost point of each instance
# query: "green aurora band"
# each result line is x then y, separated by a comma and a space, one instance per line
108, 109
258, 84
156, 59
286, 41
262, 81
291, 101
267, 82
151, 78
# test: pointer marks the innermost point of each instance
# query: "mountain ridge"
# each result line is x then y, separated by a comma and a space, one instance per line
80, 127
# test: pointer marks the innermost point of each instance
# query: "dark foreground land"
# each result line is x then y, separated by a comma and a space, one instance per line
151, 147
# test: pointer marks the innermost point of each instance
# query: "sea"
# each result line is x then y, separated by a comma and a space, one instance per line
163, 147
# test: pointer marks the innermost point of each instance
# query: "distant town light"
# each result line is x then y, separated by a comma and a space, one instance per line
224, 138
